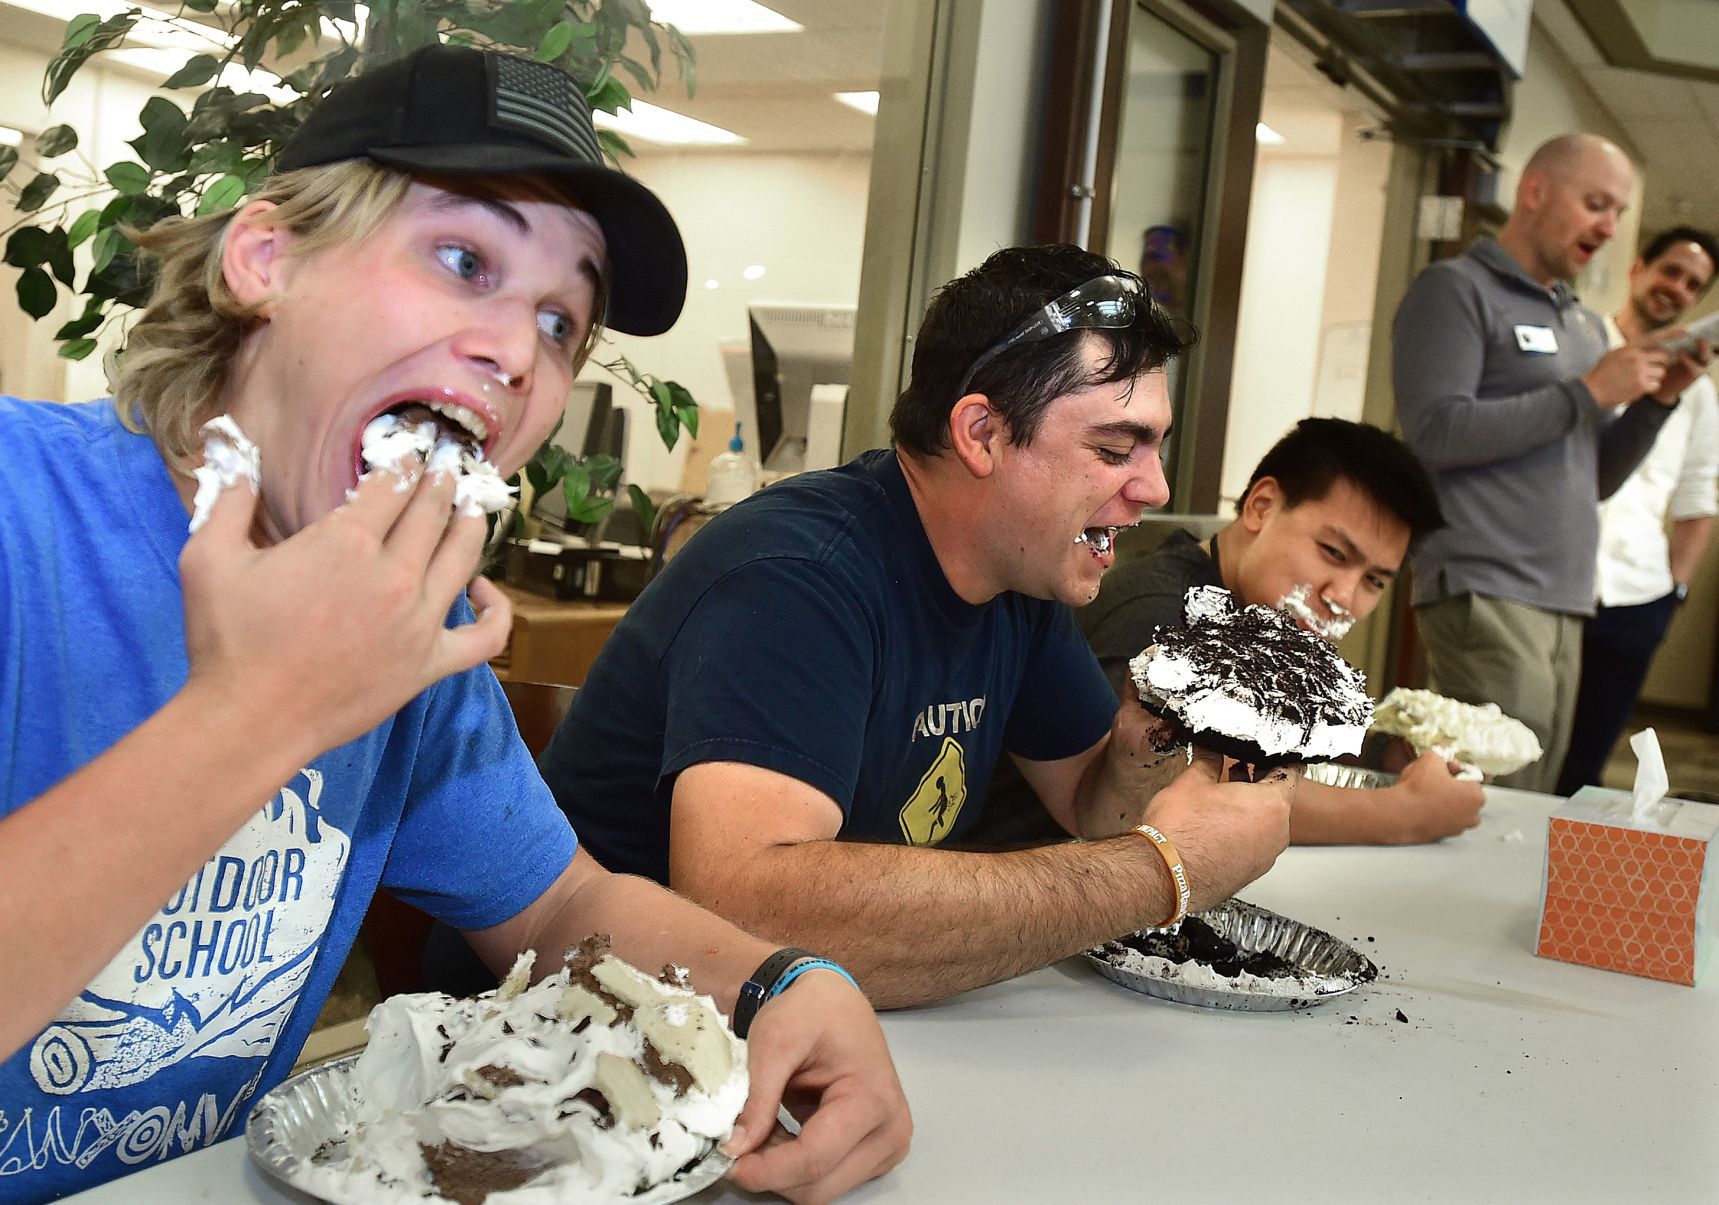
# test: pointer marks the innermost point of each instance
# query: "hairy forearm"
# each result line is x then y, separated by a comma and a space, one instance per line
1688, 545
915, 925
85, 865
650, 927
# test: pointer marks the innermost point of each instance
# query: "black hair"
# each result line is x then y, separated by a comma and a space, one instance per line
972, 313
1318, 452
1659, 243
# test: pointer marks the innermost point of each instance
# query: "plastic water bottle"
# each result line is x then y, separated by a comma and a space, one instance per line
733, 474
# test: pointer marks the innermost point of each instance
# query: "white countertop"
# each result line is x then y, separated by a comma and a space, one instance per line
1514, 1079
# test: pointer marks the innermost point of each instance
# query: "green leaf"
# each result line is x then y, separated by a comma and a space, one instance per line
56, 140
91, 318
641, 76
28, 246
201, 6
35, 194
60, 257
77, 349
644, 508
130, 178
589, 509
162, 144
221, 195
605, 471
8, 160
106, 243
83, 227
610, 96
199, 70
79, 30
555, 42
35, 292
576, 483
614, 146
668, 427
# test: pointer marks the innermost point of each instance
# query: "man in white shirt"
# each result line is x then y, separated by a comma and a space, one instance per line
1643, 576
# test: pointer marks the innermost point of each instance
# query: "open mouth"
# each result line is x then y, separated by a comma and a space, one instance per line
1098, 539
449, 438
457, 423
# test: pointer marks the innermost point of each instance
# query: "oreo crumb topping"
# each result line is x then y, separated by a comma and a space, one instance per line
1260, 670
1196, 941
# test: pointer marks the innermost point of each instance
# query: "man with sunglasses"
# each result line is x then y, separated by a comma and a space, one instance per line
796, 722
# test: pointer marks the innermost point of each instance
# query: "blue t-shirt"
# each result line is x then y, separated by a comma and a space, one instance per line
810, 630
207, 1007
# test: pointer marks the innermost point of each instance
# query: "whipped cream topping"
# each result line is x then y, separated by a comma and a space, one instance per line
594, 1084
1479, 736
389, 439
1295, 605
1098, 538
229, 457
1250, 674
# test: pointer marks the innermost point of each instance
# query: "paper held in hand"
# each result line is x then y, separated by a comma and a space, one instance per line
1629, 884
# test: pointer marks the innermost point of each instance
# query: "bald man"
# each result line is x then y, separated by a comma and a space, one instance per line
1506, 391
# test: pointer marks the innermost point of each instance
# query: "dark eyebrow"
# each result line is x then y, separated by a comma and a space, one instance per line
1133, 432
511, 216
501, 209
1351, 549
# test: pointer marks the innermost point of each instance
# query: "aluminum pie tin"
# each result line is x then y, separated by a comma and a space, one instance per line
312, 1110
1328, 966
1334, 775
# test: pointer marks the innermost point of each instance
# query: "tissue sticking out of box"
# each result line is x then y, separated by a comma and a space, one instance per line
1651, 781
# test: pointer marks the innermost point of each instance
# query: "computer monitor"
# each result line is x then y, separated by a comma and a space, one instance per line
795, 349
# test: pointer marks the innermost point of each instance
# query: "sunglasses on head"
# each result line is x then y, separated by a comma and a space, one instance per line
1102, 303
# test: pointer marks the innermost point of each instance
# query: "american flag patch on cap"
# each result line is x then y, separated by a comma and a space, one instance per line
543, 102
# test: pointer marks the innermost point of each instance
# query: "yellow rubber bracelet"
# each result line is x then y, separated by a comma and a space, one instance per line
1173, 860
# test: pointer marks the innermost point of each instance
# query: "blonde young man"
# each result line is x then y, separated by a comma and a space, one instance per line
261, 724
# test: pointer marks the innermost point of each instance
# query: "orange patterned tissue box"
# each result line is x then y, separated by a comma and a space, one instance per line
1630, 892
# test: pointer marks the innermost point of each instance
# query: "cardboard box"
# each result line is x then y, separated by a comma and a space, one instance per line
1627, 895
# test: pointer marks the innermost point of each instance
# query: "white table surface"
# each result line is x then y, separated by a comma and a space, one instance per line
1514, 1079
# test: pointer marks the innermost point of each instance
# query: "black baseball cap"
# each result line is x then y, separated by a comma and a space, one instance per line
459, 111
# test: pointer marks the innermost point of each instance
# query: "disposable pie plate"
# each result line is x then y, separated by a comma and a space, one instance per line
1334, 775
1324, 966
311, 1112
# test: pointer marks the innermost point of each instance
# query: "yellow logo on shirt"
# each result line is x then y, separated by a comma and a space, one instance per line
929, 815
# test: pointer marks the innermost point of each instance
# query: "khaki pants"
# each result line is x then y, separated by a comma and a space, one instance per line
1529, 662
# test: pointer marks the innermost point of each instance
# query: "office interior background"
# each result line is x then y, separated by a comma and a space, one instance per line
1283, 169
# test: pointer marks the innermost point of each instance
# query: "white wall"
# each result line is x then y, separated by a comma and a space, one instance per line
801, 217
1314, 231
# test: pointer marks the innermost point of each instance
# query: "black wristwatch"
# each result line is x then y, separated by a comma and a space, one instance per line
757, 989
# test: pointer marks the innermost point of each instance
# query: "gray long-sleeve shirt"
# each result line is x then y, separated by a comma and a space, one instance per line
1487, 367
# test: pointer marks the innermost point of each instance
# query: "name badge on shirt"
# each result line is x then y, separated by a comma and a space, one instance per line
1538, 340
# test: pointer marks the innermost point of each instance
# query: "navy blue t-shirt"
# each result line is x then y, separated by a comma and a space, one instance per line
811, 631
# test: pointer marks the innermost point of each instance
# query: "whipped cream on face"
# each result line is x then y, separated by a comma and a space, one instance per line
389, 439
593, 1085
1294, 604
1479, 736
1250, 674
229, 457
